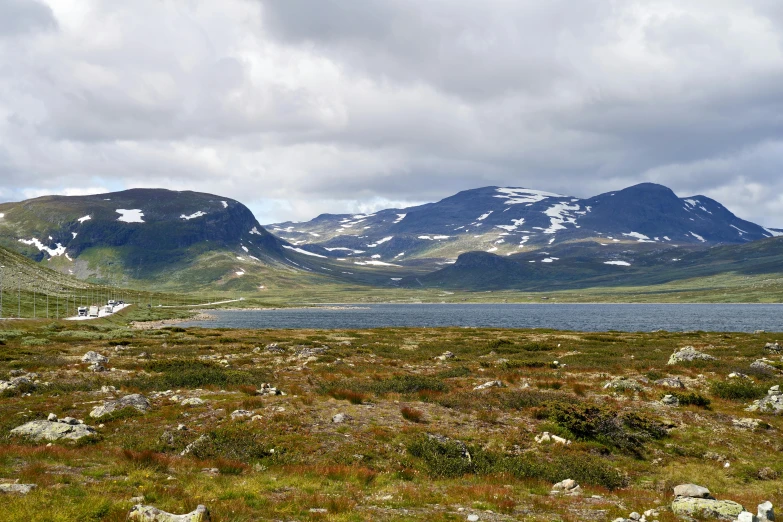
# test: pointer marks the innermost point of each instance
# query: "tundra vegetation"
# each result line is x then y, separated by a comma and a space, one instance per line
382, 424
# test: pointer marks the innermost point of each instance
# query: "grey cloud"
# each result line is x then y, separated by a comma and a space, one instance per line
21, 16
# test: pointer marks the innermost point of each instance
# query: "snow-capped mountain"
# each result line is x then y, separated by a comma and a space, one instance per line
506, 221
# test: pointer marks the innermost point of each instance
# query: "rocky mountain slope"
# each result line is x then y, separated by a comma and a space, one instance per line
506, 221
145, 236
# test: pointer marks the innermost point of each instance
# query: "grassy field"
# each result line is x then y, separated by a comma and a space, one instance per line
417, 442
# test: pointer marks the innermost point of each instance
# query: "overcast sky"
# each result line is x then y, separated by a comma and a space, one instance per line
297, 107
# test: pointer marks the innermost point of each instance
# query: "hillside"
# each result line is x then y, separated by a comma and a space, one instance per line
149, 238
506, 221
586, 264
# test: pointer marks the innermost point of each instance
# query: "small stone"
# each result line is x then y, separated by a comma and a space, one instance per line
473, 518
137, 500
241, 414
92, 357
634, 516
765, 512
52, 417
319, 510
182, 427
339, 418
193, 401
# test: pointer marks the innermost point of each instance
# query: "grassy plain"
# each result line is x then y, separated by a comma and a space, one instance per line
411, 420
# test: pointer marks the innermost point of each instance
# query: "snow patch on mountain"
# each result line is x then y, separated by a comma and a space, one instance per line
193, 216
303, 251
84, 218
53, 252
560, 214
400, 217
641, 238
380, 242
617, 263
482, 217
516, 196
134, 215
697, 236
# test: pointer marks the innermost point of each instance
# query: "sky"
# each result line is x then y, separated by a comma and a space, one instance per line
298, 107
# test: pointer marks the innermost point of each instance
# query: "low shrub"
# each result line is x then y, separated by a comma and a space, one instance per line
626, 432
738, 390
237, 442
691, 399
412, 414
348, 395
448, 459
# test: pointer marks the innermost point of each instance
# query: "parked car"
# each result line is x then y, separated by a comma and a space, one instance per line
82, 311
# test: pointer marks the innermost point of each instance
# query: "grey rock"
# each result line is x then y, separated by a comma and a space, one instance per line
16, 382
193, 401
567, 487
52, 417
94, 358
772, 403
763, 365
268, 389
670, 400
241, 414
706, 508
691, 491
21, 489
670, 382
69, 420
340, 418
488, 385
746, 423
193, 445
765, 512
444, 356
773, 347
634, 516
623, 384
137, 401
52, 431
747, 516
688, 354
141, 513
97, 368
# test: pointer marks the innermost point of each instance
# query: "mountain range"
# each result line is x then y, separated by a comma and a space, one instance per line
485, 238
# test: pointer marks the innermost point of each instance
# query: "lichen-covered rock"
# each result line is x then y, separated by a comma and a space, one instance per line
268, 389
141, 513
92, 357
53, 431
773, 347
691, 491
21, 489
670, 382
193, 401
707, 508
137, 401
772, 403
688, 354
16, 383
488, 385
566, 487
765, 512
763, 365
670, 400
623, 384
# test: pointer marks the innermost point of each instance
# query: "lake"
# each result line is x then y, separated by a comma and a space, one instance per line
580, 317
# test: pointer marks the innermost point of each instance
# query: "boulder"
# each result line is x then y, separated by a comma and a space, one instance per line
548, 437
22, 489
340, 418
16, 382
94, 358
444, 356
566, 487
53, 431
773, 347
691, 491
670, 400
688, 354
623, 384
268, 389
488, 385
746, 423
706, 508
193, 401
670, 382
763, 365
141, 513
772, 403
765, 512
137, 401
241, 414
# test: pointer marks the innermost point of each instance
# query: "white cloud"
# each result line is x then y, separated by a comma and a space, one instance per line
297, 110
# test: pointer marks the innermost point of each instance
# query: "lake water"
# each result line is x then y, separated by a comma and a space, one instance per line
581, 317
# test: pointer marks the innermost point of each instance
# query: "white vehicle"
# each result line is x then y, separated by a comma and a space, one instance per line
108, 309
93, 311
82, 311
112, 302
